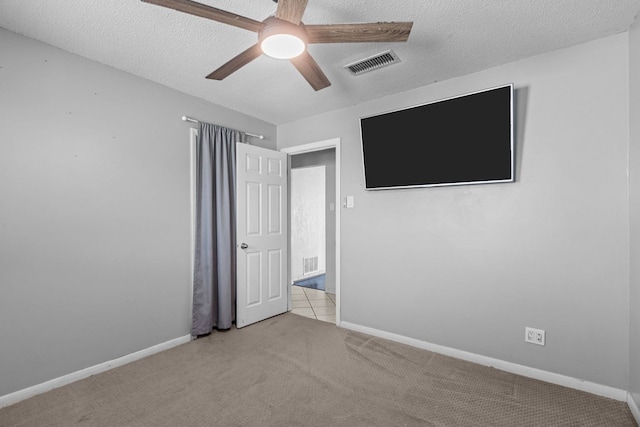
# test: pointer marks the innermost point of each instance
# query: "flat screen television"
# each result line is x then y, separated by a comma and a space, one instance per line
466, 139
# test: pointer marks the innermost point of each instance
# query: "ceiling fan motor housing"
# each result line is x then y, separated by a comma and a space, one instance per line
274, 26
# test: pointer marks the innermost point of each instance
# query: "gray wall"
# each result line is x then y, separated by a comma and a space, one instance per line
328, 159
469, 267
634, 166
95, 211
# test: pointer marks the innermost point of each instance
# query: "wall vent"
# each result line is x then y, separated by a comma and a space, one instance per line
373, 62
309, 265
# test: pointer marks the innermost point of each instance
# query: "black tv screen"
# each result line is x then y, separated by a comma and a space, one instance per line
466, 139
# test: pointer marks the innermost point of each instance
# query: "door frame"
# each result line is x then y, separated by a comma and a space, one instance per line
308, 148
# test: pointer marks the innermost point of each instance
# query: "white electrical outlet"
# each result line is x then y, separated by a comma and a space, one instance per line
534, 336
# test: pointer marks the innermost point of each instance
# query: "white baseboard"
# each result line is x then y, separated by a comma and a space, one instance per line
538, 374
634, 408
15, 397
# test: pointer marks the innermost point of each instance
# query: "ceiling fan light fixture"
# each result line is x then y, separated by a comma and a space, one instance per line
283, 46
281, 39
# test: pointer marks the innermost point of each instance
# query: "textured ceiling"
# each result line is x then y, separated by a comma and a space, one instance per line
449, 38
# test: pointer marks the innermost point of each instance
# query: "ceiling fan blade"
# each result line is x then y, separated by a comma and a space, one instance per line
236, 63
291, 10
209, 12
359, 33
311, 71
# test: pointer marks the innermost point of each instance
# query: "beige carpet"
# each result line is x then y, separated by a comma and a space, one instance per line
294, 371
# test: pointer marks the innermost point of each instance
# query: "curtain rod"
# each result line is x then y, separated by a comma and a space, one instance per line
189, 119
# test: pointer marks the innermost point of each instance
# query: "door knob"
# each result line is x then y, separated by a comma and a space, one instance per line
244, 246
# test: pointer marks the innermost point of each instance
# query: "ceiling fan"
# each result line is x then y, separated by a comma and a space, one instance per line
284, 36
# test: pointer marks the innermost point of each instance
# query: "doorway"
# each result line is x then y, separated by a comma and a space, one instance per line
308, 194
312, 216
315, 260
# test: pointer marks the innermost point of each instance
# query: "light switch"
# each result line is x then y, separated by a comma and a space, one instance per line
349, 202
332, 207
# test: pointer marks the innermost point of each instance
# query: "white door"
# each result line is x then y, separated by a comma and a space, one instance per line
261, 221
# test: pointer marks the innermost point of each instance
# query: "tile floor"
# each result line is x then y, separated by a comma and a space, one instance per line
313, 303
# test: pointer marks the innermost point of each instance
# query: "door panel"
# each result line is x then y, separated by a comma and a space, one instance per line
253, 278
261, 234
253, 207
275, 274
275, 209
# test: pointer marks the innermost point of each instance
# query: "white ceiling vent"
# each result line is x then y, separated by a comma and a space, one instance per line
373, 62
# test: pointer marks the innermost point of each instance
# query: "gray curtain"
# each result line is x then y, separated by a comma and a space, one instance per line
214, 287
